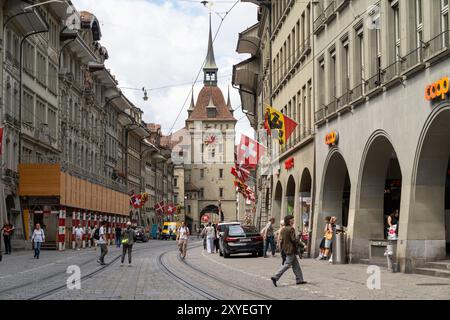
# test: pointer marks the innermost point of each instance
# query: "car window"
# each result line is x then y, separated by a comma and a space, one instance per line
166, 227
250, 229
236, 231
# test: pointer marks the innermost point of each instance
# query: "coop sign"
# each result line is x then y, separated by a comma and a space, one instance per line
332, 138
437, 90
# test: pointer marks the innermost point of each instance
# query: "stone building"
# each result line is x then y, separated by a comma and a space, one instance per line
382, 118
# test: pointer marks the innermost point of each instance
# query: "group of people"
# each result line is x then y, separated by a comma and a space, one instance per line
37, 238
210, 236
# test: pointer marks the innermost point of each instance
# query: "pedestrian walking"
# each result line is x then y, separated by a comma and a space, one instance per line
101, 241
283, 254
118, 231
198, 233
79, 232
268, 237
182, 238
128, 238
210, 234
216, 238
203, 234
7, 230
37, 239
290, 247
93, 240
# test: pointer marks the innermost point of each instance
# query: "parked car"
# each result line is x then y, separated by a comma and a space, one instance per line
221, 228
242, 239
140, 234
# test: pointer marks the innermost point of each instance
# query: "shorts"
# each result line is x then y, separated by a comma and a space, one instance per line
328, 243
322, 244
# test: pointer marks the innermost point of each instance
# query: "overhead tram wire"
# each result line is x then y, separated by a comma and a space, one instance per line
203, 63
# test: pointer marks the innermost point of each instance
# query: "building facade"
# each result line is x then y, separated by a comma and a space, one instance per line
382, 119
72, 146
280, 74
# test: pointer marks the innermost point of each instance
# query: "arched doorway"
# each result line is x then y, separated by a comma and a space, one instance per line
305, 197
428, 230
290, 196
277, 201
379, 193
335, 193
212, 212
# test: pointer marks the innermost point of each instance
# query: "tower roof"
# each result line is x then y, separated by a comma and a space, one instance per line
211, 96
210, 63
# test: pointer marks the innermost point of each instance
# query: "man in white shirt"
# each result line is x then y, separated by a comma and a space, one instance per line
182, 238
102, 242
79, 232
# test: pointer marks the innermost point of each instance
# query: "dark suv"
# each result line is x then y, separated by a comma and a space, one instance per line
242, 239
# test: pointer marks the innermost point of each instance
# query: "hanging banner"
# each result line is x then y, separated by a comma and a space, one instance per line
275, 120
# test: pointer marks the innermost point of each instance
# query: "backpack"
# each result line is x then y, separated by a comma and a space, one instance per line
96, 235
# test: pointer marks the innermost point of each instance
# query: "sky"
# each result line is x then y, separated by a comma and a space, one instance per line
158, 43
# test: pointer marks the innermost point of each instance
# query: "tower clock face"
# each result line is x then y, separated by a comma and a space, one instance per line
210, 139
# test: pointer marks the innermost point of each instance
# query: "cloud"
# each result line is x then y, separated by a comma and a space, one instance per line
158, 43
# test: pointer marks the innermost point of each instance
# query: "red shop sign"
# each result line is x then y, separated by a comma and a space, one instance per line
289, 164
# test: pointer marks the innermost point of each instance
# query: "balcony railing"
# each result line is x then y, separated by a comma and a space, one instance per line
330, 11
343, 100
356, 93
320, 114
412, 59
391, 72
331, 107
374, 81
319, 23
438, 44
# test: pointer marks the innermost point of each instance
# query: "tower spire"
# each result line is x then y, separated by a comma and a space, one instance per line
192, 106
210, 69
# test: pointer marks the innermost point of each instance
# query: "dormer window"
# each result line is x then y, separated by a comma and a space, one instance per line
211, 112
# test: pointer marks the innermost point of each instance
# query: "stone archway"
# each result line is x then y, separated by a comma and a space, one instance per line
277, 201
290, 197
428, 229
378, 194
212, 211
335, 186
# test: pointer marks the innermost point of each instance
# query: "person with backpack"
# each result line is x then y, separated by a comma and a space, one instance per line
100, 236
182, 237
128, 239
37, 238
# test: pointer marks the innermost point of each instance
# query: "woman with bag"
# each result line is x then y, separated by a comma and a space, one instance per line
328, 238
37, 238
128, 238
322, 243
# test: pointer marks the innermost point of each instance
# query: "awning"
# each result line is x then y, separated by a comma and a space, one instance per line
29, 20
249, 41
82, 50
245, 74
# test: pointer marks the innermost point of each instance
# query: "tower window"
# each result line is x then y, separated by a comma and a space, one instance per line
211, 113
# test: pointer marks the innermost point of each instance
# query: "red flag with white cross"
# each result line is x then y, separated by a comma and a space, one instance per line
171, 209
241, 173
249, 152
159, 207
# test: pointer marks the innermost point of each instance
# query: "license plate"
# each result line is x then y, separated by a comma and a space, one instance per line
246, 240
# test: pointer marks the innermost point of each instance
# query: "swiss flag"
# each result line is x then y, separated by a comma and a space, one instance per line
249, 152
159, 207
136, 201
171, 209
241, 173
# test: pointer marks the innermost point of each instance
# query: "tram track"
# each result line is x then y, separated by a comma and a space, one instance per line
200, 290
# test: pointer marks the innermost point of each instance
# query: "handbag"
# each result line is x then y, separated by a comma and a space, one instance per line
328, 235
124, 241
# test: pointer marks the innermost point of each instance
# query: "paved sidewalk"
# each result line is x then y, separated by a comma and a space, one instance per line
325, 280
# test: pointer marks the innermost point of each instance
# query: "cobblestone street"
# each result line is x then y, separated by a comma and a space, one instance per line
158, 273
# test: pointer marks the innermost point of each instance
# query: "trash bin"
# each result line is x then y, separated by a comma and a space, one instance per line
339, 252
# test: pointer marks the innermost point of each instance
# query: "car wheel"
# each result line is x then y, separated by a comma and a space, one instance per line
226, 254
220, 253
254, 254
260, 253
